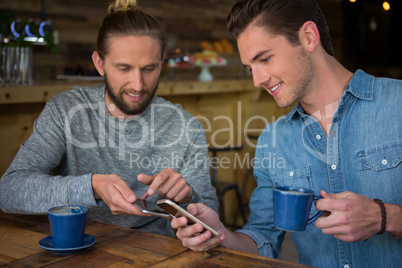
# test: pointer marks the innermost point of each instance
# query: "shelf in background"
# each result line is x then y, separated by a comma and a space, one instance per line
79, 77
42, 93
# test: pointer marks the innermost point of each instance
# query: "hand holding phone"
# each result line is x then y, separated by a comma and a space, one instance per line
174, 209
166, 208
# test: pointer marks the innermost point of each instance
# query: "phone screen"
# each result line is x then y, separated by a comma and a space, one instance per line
151, 208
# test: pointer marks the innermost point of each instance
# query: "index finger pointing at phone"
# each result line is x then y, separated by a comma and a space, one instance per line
155, 181
147, 180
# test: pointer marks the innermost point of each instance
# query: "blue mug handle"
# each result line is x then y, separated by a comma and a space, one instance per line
318, 214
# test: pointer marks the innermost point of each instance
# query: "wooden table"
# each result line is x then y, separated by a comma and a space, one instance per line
115, 247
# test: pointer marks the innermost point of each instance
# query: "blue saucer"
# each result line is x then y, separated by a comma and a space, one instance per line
47, 243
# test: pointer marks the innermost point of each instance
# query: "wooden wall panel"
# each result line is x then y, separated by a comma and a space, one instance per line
16, 123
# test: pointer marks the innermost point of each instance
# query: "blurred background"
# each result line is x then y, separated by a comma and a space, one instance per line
56, 40
366, 33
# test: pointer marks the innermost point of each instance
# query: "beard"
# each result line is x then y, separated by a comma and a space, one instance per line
125, 107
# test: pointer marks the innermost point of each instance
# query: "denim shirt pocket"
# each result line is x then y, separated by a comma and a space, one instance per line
379, 164
298, 177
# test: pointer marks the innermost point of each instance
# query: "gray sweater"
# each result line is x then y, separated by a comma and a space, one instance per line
75, 137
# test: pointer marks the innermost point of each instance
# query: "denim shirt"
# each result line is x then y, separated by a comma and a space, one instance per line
362, 154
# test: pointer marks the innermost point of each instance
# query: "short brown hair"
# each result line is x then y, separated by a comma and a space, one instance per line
280, 17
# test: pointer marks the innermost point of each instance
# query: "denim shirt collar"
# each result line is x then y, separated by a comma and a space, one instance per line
361, 86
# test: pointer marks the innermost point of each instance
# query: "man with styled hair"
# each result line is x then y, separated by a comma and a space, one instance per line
342, 141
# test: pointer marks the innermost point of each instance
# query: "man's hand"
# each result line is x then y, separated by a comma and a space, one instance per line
194, 236
113, 190
352, 217
168, 183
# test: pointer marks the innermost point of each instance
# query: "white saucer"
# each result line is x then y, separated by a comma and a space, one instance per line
47, 243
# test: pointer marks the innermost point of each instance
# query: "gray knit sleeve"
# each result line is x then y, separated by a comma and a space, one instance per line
31, 185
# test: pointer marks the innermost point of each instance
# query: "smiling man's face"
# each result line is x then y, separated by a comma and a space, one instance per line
283, 69
132, 70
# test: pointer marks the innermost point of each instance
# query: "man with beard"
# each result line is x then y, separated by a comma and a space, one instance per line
105, 146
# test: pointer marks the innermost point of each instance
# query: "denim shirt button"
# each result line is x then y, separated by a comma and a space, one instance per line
333, 167
346, 266
318, 137
384, 161
291, 174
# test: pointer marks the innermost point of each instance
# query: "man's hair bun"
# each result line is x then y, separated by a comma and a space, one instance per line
122, 5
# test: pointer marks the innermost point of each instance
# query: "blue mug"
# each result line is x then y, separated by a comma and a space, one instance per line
292, 207
67, 224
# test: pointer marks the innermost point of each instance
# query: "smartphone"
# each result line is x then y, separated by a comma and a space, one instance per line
151, 208
173, 209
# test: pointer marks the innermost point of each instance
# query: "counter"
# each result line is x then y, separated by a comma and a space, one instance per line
44, 92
